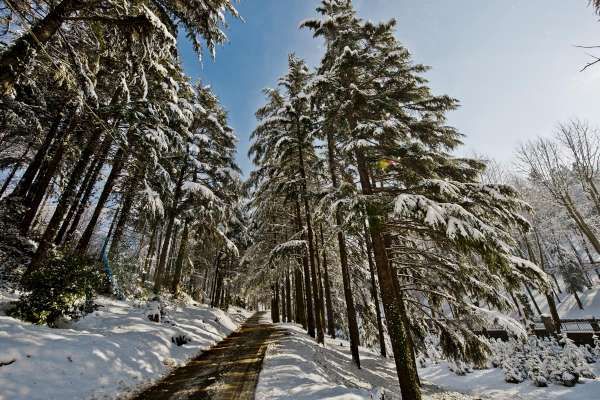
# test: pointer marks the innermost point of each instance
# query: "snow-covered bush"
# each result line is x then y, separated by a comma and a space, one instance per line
596, 348
573, 360
459, 367
538, 360
64, 286
430, 352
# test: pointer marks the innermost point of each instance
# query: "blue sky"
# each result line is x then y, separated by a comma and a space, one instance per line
512, 64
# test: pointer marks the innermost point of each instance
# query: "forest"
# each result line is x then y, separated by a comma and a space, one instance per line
362, 248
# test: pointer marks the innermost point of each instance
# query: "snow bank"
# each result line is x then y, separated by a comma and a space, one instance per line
112, 351
295, 367
490, 384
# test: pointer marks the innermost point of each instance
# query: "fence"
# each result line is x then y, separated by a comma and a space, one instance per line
581, 331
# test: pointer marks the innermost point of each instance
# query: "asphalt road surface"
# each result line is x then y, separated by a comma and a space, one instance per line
227, 371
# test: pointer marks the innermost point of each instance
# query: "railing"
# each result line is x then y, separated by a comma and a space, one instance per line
581, 331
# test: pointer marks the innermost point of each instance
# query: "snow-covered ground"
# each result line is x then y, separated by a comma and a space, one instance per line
297, 368
107, 354
490, 384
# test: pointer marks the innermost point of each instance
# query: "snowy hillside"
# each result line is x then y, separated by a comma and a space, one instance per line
568, 309
112, 351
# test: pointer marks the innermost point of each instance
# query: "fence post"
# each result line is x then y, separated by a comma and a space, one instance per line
548, 325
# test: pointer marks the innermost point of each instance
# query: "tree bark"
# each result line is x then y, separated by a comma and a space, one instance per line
288, 298
549, 298
283, 305
588, 253
375, 295
580, 262
150, 253
537, 307
67, 231
129, 197
393, 304
350, 309
14, 170
321, 297
300, 305
34, 166
213, 288
329, 302
118, 163
307, 285
66, 199
577, 299
311, 249
180, 258
172, 214
41, 184
275, 302
580, 221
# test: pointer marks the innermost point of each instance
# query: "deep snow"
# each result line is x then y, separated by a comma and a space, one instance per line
297, 368
490, 384
109, 353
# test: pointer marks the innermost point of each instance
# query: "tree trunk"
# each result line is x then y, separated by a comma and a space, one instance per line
329, 302
172, 214
577, 299
350, 309
42, 182
288, 298
537, 307
591, 189
311, 250
129, 197
580, 221
118, 163
381, 335
170, 266
14, 170
281, 288
276, 310
580, 262
542, 264
66, 199
543, 258
588, 253
307, 284
300, 305
60, 235
34, 166
321, 297
213, 289
180, 259
71, 223
393, 304
150, 253
514, 299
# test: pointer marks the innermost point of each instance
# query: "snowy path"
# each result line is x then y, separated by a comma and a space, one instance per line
228, 371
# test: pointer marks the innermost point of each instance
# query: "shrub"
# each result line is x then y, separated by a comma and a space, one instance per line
64, 286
